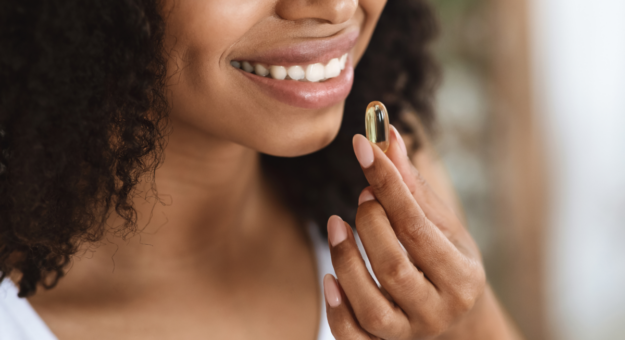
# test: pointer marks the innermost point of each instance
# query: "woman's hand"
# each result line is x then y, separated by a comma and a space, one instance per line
427, 288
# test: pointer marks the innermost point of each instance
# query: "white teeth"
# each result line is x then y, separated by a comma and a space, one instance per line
248, 67
296, 73
315, 72
333, 69
261, 70
312, 73
277, 72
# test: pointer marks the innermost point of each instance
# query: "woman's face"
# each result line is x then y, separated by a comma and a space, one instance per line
282, 117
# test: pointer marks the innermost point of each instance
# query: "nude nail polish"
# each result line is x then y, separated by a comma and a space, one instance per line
337, 232
331, 291
400, 140
363, 150
365, 196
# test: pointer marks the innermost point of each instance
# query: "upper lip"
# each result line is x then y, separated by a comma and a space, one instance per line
307, 51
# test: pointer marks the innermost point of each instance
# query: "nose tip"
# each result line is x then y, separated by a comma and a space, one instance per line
332, 11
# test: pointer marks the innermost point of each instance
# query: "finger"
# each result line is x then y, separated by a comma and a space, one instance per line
340, 316
432, 252
433, 207
404, 282
375, 314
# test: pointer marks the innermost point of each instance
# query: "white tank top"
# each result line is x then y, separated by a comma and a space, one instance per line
19, 321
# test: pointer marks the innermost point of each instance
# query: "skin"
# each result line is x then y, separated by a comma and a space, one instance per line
206, 35
217, 254
435, 288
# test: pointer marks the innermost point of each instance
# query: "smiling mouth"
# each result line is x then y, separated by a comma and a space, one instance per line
317, 72
310, 73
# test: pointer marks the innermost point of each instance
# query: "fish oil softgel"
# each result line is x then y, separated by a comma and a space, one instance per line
376, 122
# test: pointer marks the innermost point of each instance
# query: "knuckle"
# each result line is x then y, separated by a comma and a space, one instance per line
463, 301
348, 265
414, 227
342, 328
377, 321
469, 290
433, 325
384, 183
474, 279
369, 213
398, 274
420, 184
421, 181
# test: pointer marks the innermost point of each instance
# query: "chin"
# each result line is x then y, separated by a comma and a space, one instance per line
305, 139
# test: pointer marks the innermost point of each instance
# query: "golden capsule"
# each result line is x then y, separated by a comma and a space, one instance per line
376, 122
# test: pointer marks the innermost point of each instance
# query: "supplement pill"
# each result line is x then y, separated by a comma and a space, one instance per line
376, 122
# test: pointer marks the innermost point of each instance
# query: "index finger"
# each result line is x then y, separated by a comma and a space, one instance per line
435, 209
431, 251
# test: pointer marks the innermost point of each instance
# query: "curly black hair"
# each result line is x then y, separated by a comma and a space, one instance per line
83, 118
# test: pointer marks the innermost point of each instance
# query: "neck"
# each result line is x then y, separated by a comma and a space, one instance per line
212, 206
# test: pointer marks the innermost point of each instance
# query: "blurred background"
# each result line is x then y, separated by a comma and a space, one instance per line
532, 131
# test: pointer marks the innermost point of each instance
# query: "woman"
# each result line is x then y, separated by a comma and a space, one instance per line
133, 183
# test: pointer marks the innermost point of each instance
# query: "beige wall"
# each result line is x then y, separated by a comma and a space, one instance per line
490, 143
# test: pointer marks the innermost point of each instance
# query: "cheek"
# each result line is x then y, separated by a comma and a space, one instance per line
206, 95
199, 33
368, 13
215, 23
372, 8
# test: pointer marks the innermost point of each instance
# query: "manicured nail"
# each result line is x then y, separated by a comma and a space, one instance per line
336, 230
331, 291
365, 196
363, 150
400, 140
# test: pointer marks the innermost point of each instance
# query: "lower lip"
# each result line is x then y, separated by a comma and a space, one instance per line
307, 95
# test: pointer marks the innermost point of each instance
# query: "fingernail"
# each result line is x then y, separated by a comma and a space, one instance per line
400, 140
365, 196
331, 291
363, 150
336, 230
